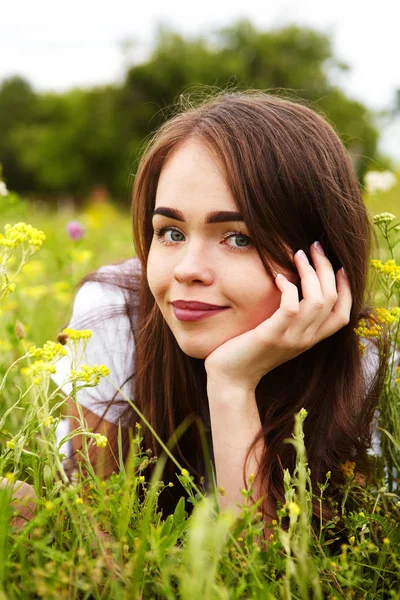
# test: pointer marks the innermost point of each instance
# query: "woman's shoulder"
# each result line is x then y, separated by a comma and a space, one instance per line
371, 361
107, 291
126, 267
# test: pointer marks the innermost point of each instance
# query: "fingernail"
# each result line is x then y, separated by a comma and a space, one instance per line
303, 256
319, 248
344, 273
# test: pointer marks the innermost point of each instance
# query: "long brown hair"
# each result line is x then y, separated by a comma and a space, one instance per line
294, 183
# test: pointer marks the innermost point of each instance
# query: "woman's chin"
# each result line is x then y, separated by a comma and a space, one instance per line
195, 348
194, 351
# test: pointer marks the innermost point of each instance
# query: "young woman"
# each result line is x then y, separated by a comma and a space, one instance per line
236, 311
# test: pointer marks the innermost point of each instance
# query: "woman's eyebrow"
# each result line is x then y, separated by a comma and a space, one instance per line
222, 216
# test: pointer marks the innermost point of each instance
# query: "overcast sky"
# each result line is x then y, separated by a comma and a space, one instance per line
57, 45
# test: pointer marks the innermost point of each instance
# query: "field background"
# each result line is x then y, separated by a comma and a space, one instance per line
45, 289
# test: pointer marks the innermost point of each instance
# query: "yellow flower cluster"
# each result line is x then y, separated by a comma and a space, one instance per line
20, 233
384, 217
397, 380
387, 317
101, 440
389, 268
48, 421
77, 334
48, 352
38, 368
347, 469
91, 375
372, 326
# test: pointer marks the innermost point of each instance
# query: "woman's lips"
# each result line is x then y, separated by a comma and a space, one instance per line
183, 314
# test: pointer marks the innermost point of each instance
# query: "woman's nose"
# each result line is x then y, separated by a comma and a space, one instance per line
194, 264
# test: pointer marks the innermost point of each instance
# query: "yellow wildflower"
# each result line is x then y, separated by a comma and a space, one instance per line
48, 421
185, 472
79, 501
385, 316
48, 352
38, 368
10, 477
10, 444
101, 440
49, 506
19, 234
389, 268
90, 375
368, 327
77, 334
347, 469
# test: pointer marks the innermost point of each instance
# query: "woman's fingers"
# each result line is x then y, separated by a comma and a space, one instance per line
319, 292
340, 314
325, 307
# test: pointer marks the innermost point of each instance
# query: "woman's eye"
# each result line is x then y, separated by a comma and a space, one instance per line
243, 242
160, 233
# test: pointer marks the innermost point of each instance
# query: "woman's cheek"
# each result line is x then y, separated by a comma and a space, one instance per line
156, 279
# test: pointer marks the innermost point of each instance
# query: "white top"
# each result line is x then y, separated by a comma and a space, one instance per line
112, 344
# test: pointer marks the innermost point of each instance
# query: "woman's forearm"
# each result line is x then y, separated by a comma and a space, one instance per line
235, 421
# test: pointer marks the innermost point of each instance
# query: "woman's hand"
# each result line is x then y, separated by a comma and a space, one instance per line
294, 327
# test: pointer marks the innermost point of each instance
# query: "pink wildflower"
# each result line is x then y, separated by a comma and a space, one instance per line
75, 230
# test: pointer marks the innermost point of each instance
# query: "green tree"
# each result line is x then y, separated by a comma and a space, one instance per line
66, 143
18, 104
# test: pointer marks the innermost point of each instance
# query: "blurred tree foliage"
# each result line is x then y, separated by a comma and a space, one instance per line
52, 144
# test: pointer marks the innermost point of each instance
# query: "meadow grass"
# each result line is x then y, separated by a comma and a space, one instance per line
94, 538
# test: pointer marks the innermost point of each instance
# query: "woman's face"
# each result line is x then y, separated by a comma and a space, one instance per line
214, 263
